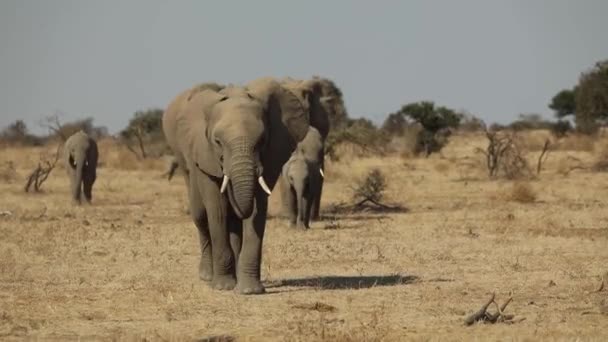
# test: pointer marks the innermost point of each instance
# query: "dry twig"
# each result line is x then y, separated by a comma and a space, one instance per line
42, 171
482, 315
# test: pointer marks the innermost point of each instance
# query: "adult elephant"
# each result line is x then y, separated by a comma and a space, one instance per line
232, 144
301, 179
80, 157
320, 96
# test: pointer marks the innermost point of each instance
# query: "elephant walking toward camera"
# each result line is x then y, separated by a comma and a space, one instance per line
301, 179
80, 156
232, 143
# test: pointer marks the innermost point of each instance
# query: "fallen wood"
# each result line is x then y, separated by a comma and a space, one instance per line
482, 315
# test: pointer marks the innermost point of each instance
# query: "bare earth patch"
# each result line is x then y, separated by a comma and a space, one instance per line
125, 268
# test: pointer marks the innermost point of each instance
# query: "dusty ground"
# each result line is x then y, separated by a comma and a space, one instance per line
126, 267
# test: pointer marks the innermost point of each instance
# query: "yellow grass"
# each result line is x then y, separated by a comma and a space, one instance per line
125, 268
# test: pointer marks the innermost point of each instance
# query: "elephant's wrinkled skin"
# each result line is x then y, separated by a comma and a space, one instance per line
80, 157
232, 143
301, 179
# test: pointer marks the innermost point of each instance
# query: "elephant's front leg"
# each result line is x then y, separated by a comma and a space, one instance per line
288, 197
303, 211
250, 259
222, 255
316, 202
75, 187
235, 229
88, 179
199, 216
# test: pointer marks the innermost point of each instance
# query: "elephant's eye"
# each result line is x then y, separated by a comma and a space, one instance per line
218, 142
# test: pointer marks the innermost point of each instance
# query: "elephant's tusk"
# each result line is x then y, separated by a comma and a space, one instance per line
322, 173
264, 185
224, 184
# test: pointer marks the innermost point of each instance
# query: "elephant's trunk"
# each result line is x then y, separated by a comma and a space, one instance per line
243, 175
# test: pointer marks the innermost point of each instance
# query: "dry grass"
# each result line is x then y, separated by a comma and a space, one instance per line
125, 268
576, 142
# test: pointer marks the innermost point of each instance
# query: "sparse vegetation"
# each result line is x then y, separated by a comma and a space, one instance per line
128, 245
137, 245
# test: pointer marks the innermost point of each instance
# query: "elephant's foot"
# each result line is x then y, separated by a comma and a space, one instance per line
205, 271
223, 282
250, 286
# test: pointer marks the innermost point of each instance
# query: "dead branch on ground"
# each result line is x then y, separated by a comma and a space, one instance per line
482, 315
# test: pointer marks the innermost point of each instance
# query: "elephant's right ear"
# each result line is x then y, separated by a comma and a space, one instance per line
285, 109
203, 156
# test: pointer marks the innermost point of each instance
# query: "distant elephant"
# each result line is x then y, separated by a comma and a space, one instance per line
321, 97
80, 155
232, 143
301, 179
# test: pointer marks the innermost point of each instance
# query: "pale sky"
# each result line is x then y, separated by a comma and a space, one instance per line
109, 58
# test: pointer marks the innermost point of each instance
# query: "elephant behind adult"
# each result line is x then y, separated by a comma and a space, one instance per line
301, 179
322, 96
80, 157
232, 144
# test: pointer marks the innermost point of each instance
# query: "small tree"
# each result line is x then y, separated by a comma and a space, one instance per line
144, 128
436, 122
563, 103
371, 188
591, 98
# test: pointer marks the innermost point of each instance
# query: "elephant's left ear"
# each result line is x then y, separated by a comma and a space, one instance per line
285, 109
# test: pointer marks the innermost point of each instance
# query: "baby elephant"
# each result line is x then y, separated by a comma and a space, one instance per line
80, 155
301, 179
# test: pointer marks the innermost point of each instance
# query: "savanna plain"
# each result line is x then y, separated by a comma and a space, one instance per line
125, 267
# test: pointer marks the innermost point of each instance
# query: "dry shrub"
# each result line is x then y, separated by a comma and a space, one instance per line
522, 192
505, 156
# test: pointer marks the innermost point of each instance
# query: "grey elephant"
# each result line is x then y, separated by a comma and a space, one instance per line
80, 156
324, 100
232, 143
301, 179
